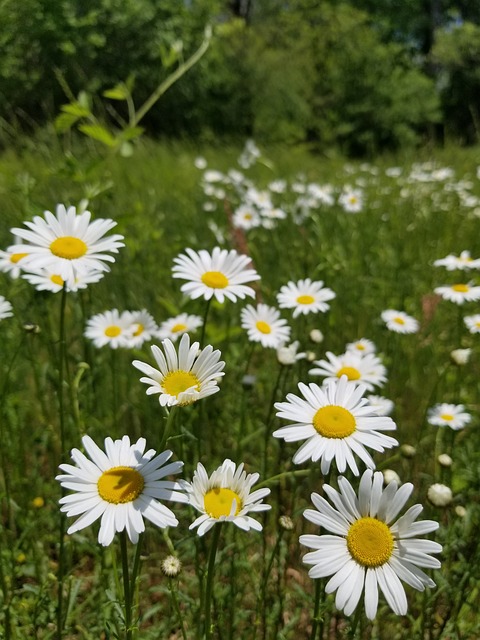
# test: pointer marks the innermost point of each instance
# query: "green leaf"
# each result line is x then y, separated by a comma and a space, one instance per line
76, 109
64, 122
131, 132
119, 92
97, 132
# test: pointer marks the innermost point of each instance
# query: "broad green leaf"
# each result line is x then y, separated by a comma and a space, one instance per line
97, 132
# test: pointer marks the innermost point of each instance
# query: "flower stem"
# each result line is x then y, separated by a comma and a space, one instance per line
204, 326
127, 590
168, 426
209, 586
317, 626
172, 587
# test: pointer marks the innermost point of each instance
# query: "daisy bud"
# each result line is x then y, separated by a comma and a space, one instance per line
444, 460
316, 336
439, 495
30, 327
408, 451
460, 511
286, 523
389, 475
171, 566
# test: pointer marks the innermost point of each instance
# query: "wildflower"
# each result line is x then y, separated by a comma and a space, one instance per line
171, 566
287, 355
264, 325
444, 460
246, 217
463, 262
367, 548
225, 496
399, 322
67, 243
110, 328
143, 327
122, 486
459, 293
382, 406
177, 326
305, 296
200, 163
38, 502
439, 495
49, 280
336, 422
185, 377
222, 274
461, 356
10, 261
367, 370
473, 323
316, 336
363, 347
351, 200
389, 475
286, 523
449, 415
408, 451
5, 308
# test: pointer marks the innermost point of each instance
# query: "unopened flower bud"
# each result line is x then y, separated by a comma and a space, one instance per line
461, 356
439, 495
444, 460
389, 475
286, 523
408, 451
316, 336
171, 566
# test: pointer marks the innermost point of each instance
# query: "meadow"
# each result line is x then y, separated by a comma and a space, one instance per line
370, 232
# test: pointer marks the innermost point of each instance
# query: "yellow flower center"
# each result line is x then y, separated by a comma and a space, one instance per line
334, 422
305, 299
68, 247
57, 280
350, 372
263, 327
248, 216
139, 330
359, 347
113, 331
399, 320
447, 417
176, 382
119, 485
179, 327
218, 502
370, 542
16, 257
215, 280
461, 288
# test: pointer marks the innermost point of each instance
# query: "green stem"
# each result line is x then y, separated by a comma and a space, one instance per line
127, 591
300, 473
317, 619
168, 427
209, 586
267, 433
172, 587
204, 326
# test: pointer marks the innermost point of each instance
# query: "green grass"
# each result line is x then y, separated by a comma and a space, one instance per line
377, 259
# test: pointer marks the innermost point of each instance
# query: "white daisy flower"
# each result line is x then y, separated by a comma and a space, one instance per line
222, 274
459, 293
336, 421
369, 548
68, 243
49, 280
462, 262
365, 369
305, 296
473, 323
225, 497
246, 217
10, 261
382, 406
363, 347
351, 200
122, 486
110, 328
449, 415
184, 378
288, 354
399, 322
264, 325
143, 327
5, 308
461, 356
177, 326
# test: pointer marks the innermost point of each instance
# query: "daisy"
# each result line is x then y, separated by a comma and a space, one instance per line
175, 327
5, 308
122, 485
463, 262
305, 296
67, 243
367, 369
362, 347
459, 293
10, 261
449, 415
48, 280
264, 325
473, 323
143, 327
222, 274
246, 217
110, 328
288, 354
399, 322
336, 421
369, 548
382, 406
184, 378
225, 497
351, 200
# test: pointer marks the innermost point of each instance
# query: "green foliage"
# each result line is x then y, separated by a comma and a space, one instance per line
457, 52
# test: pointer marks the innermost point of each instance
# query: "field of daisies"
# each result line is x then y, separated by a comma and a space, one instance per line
239, 395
